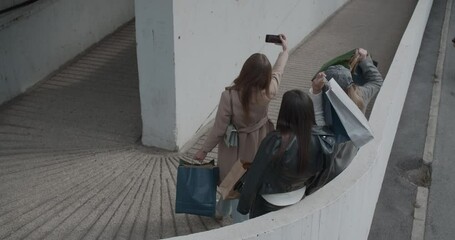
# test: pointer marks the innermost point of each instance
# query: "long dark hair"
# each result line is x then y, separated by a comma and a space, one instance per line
296, 117
255, 75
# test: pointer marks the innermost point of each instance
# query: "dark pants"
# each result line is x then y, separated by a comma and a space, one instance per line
261, 207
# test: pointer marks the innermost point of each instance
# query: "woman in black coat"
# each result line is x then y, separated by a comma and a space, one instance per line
288, 160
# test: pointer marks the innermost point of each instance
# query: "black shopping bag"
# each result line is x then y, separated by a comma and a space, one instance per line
196, 188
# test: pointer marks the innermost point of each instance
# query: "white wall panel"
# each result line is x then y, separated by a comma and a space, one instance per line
36, 40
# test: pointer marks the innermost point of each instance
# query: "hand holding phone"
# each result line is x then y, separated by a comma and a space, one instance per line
272, 38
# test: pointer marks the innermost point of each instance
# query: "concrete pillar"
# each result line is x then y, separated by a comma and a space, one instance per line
155, 52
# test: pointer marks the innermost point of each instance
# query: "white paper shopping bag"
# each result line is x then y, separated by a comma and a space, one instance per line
352, 119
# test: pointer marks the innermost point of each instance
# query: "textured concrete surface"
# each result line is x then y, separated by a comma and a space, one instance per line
395, 208
70, 163
441, 215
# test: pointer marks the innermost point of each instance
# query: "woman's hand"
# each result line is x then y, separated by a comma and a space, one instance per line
318, 82
200, 155
362, 53
284, 42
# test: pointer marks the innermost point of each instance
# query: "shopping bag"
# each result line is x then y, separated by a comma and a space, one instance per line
343, 59
333, 121
354, 122
196, 188
226, 187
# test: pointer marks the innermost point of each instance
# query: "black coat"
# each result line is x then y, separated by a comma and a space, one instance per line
267, 175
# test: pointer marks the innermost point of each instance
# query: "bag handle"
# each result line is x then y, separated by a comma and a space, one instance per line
232, 110
231, 117
183, 162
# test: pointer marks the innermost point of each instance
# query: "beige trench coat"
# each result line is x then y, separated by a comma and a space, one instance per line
248, 141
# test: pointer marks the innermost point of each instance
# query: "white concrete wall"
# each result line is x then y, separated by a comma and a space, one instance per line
36, 40
211, 41
155, 53
344, 208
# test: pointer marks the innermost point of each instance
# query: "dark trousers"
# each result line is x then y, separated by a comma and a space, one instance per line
261, 207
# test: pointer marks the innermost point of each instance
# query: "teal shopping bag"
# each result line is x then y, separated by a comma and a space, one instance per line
196, 188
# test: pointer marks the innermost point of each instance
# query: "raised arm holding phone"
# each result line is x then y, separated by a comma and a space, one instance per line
245, 104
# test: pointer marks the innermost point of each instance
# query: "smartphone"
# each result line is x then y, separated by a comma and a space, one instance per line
272, 38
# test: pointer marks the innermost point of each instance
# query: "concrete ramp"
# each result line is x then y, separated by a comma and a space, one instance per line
70, 164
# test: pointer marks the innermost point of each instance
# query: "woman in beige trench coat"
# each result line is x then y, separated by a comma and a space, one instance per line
251, 93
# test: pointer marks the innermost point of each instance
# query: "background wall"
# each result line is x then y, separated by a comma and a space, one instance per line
211, 40
36, 40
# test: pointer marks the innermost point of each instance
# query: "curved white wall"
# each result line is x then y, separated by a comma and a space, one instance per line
206, 44
344, 208
36, 40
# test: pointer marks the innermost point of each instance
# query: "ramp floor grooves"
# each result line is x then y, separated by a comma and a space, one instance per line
70, 164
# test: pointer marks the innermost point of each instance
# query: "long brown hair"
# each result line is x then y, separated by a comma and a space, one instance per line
356, 96
343, 77
255, 75
296, 116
